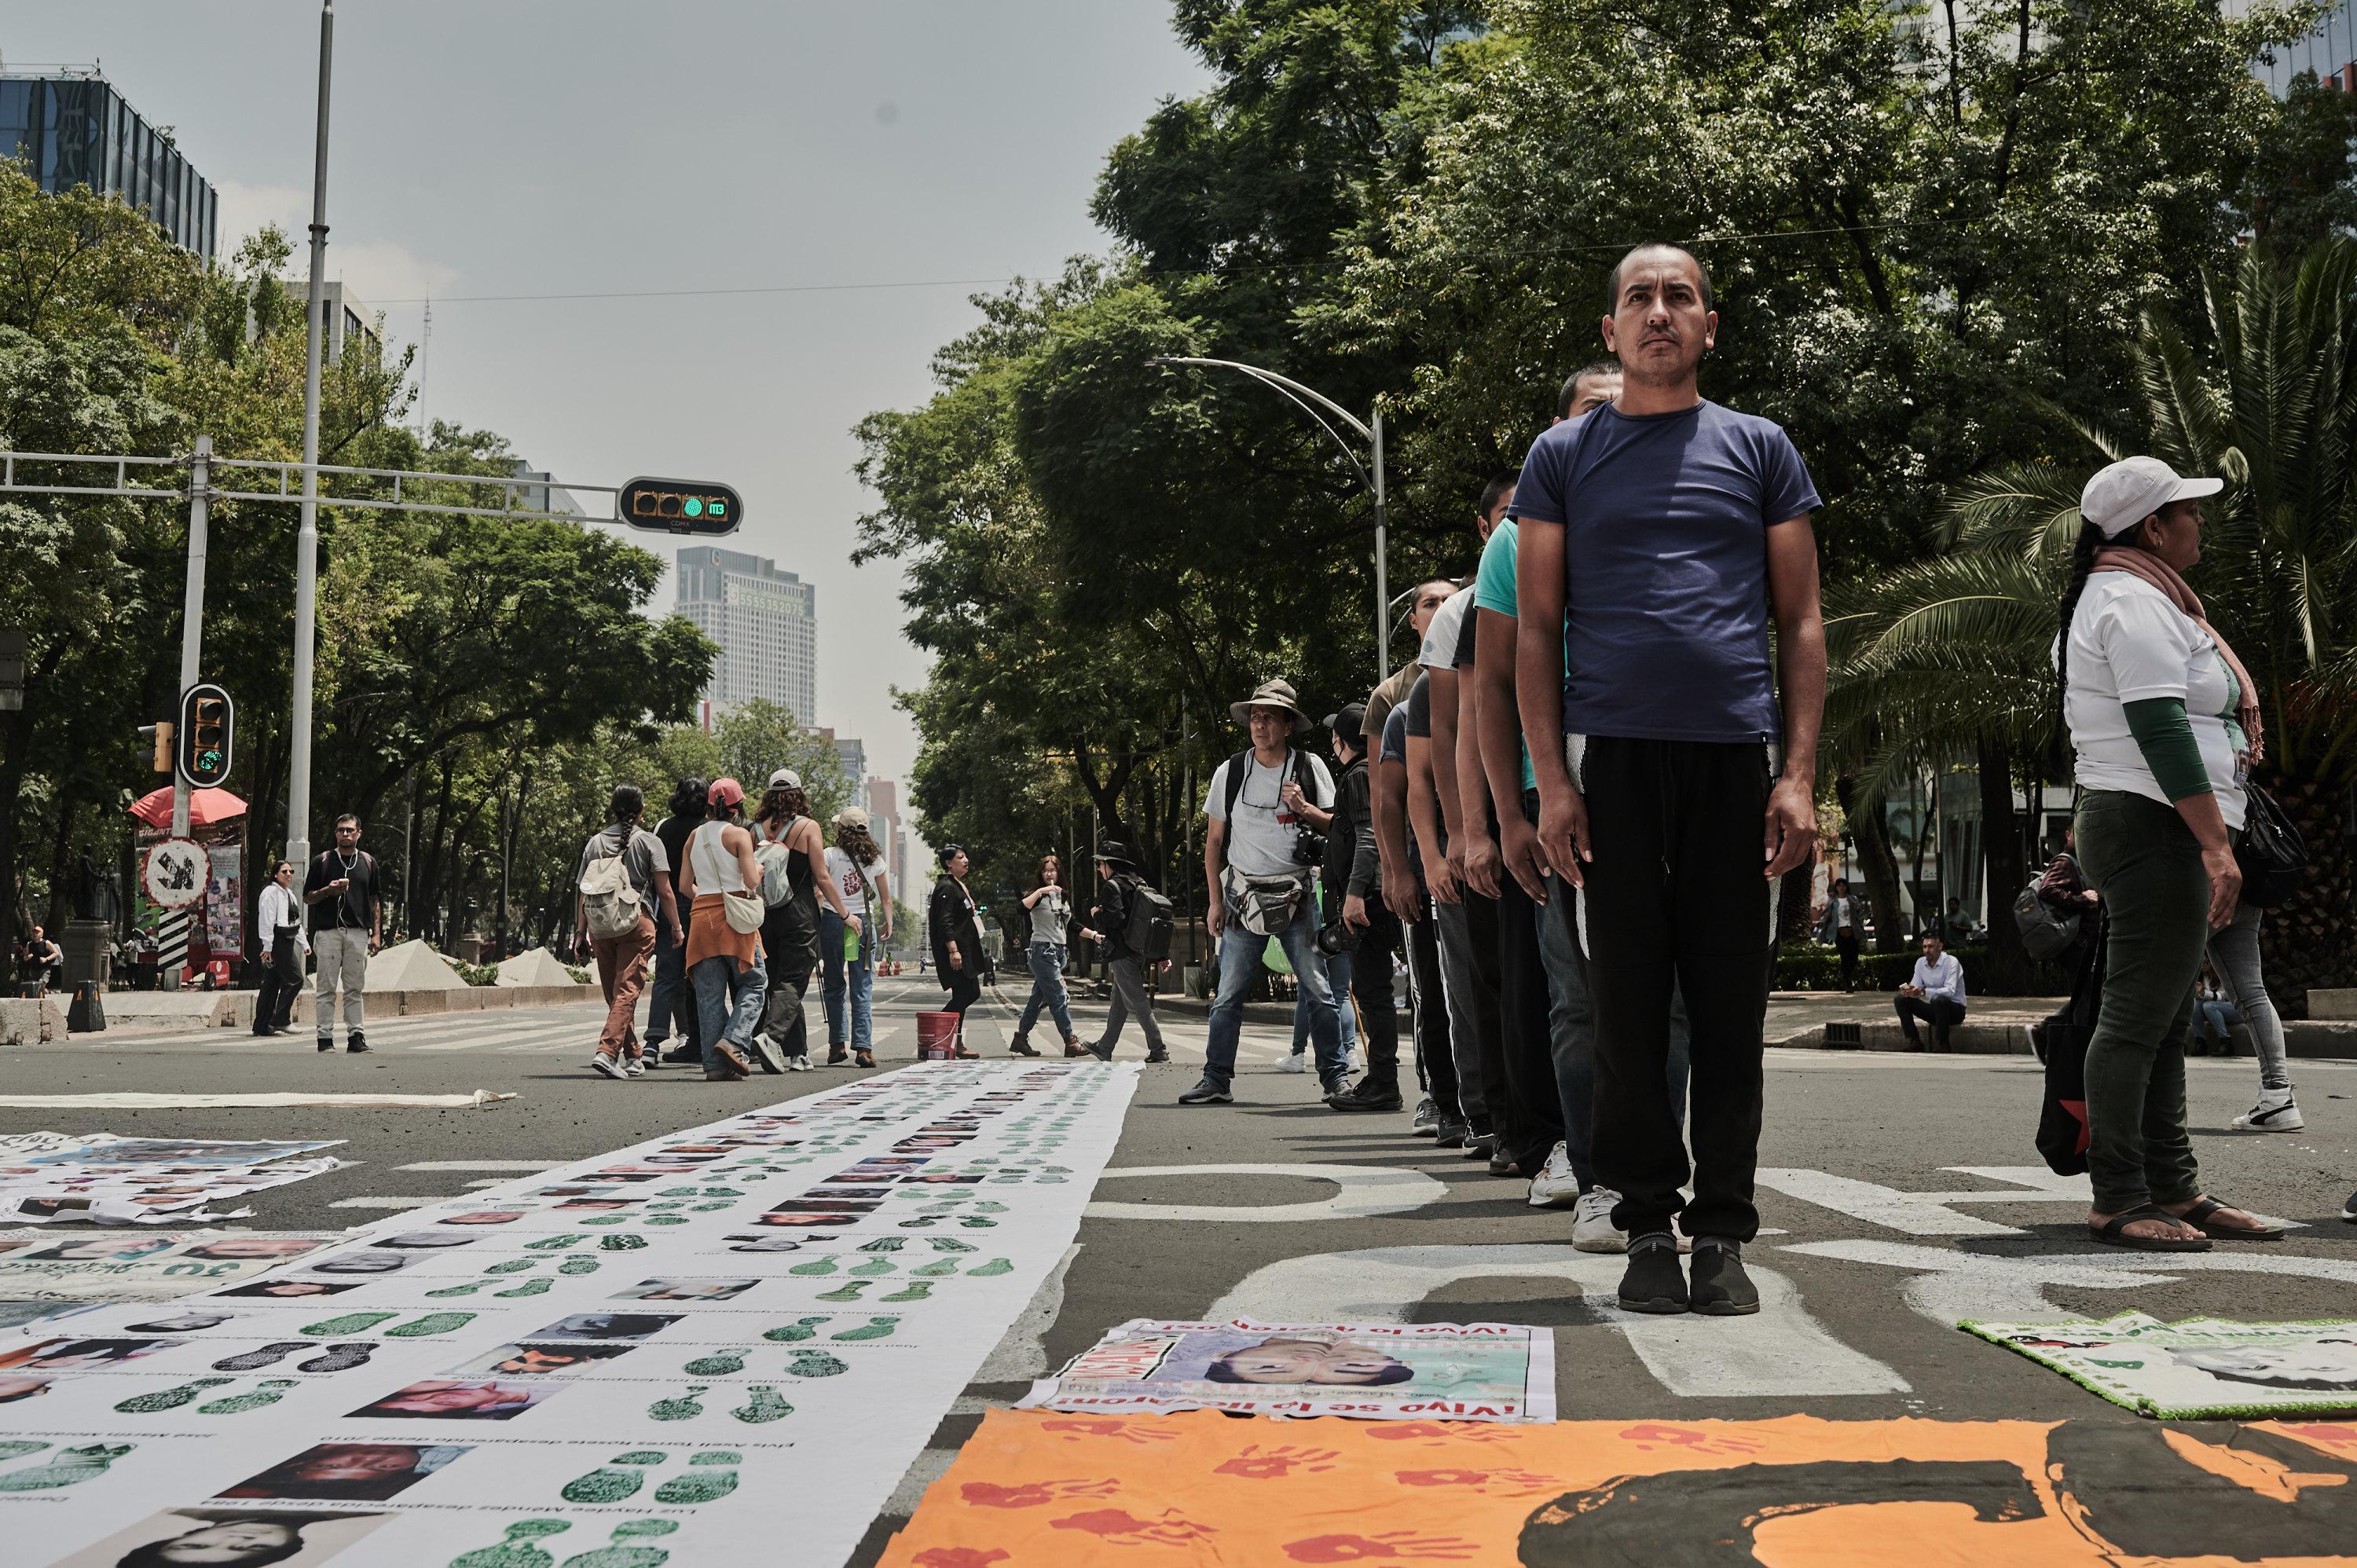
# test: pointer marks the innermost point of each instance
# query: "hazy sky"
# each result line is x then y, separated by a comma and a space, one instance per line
502, 147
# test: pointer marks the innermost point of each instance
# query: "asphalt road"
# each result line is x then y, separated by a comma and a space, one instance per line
1864, 1280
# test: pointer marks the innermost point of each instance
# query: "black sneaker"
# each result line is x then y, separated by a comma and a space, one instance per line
1653, 1282
684, 1056
1450, 1135
1367, 1094
1428, 1118
1503, 1163
1721, 1288
357, 1045
1210, 1091
1481, 1146
326, 1042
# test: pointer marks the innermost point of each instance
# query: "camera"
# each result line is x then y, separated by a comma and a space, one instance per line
1308, 848
1336, 937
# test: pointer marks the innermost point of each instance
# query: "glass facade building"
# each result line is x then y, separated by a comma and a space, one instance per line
73, 128
765, 622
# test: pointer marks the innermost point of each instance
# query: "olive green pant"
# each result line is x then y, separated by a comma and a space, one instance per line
2140, 856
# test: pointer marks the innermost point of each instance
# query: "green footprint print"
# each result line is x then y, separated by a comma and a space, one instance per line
803, 1328
435, 1323
621, 1241
849, 1291
270, 1391
168, 1399
885, 1244
578, 1266
815, 1363
706, 1207
950, 1244
915, 1290
529, 1287
350, 1323
717, 1365
660, 1207
677, 1192
607, 1220
70, 1465
995, 1266
705, 1482
679, 1407
936, 1268
873, 1267
651, 1220
617, 1555
470, 1288
874, 1328
763, 1403
17, 1448
608, 1485
513, 1266
550, 1243
515, 1550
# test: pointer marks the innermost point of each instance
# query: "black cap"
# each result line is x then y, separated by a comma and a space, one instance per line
1350, 726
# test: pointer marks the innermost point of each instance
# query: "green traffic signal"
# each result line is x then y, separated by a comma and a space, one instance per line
692, 506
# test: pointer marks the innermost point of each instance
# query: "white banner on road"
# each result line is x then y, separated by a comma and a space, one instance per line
50, 1178
2205, 1369
645, 1351
146, 1265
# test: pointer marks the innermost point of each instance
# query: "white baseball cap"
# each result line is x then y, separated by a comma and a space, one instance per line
787, 778
2120, 497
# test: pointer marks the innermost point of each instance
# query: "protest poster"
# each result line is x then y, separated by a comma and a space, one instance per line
2201, 1369
147, 1266
1391, 1371
99, 1179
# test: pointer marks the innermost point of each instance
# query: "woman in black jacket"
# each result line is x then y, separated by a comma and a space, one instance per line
958, 956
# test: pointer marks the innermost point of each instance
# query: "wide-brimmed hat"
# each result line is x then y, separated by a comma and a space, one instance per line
2124, 494
1271, 694
1117, 852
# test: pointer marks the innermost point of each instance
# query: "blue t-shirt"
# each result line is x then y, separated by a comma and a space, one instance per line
1665, 518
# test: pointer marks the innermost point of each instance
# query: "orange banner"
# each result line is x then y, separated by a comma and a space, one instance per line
1037, 1489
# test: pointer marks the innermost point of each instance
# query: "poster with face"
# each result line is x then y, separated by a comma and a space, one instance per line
1422, 1371
229, 1537
349, 1472
2202, 1368
455, 1398
542, 1359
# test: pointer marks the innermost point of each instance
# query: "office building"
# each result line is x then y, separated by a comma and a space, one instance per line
2329, 52
765, 622
853, 754
348, 320
71, 128
884, 817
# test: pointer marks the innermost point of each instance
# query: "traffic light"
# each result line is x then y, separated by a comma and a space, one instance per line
680, 506
207, 718
160, 732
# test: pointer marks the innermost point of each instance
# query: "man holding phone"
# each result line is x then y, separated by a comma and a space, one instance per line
346, 929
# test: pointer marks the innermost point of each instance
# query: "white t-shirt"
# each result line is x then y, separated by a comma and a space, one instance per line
1439, 652
1260, 838
2130, 644
856, 883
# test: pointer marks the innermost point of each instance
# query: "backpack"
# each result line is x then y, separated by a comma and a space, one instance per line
609, 895
1241, 763
776, 862
2046, 932
1146, 932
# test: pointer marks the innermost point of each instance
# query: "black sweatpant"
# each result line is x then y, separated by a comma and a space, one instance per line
1481, 915
1370, 984
1676, 896
1525, 1045
1435, 1068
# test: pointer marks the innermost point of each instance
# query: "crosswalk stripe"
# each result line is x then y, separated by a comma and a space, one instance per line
386, 1202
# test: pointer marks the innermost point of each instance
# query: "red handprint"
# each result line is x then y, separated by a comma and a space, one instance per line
1276, 1463
1650, 1435
1170, 1529
1128, 1432
1392, 1543
958, 1557
1033, 1493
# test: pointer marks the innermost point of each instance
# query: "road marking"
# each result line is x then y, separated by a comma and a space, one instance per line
1365, 1191
1783, 1352
525, 1165
386, 1202
1951, 1287
1928, 1213
136, 1102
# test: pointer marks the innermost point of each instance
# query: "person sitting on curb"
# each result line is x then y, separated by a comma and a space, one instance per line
1936, 995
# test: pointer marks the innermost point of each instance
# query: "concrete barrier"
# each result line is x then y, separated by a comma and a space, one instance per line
28, 1021
2335, 1005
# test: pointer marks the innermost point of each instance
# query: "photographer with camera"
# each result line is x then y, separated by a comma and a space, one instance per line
1361, 927
1257, 868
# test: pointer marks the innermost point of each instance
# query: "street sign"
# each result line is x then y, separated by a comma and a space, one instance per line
207, 718
175, 873
680, 506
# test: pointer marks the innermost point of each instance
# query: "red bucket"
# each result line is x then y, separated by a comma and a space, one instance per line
936, 1037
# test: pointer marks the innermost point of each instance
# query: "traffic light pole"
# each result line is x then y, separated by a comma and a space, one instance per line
192, 614
306, 546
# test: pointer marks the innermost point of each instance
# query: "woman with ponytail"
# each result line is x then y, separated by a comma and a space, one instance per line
2164, 722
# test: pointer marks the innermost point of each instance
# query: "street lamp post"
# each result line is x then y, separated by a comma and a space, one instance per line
306, 546
1371, 432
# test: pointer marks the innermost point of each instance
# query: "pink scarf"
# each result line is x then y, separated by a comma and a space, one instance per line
2151, 568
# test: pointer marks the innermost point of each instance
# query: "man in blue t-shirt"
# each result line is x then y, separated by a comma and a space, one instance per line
1660, 533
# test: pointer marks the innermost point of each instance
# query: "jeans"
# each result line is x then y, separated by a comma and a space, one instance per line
622, 969
343, 955
2234, 954
1238, 962
1345, 1018
849, 985
1571, 1031
2212, 1020
729, 1001
1675, 903
671, 993
1940, 1012
1129, 995
2147, 864
1047, 963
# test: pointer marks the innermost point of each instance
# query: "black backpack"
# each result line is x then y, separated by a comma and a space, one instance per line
1147, 932
2272, 855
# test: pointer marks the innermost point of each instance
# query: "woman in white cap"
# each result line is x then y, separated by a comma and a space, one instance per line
857, 864
787, 837
2165, 722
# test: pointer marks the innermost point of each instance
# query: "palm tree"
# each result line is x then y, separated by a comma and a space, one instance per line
1952, 654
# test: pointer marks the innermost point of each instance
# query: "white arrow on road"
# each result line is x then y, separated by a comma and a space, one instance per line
1782, 1352
1952, 1286
1366, 1191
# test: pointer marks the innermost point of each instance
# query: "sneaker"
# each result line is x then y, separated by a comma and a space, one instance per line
2275, 1112
1157, 1055
1428, 1118
1721, 1288
1294, 1063
603, 1063
765, 1051
800, 1062
2348, 1209
1653, 1282
357, 1045
1450, 1135
1366, 1095
724, 1074
1328, 1088
1554, 1187
636, 1067
1210, 1091
1481, 1146
1591, 1222
326, 1042
1501, 1163
683, 1056
728, 1062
